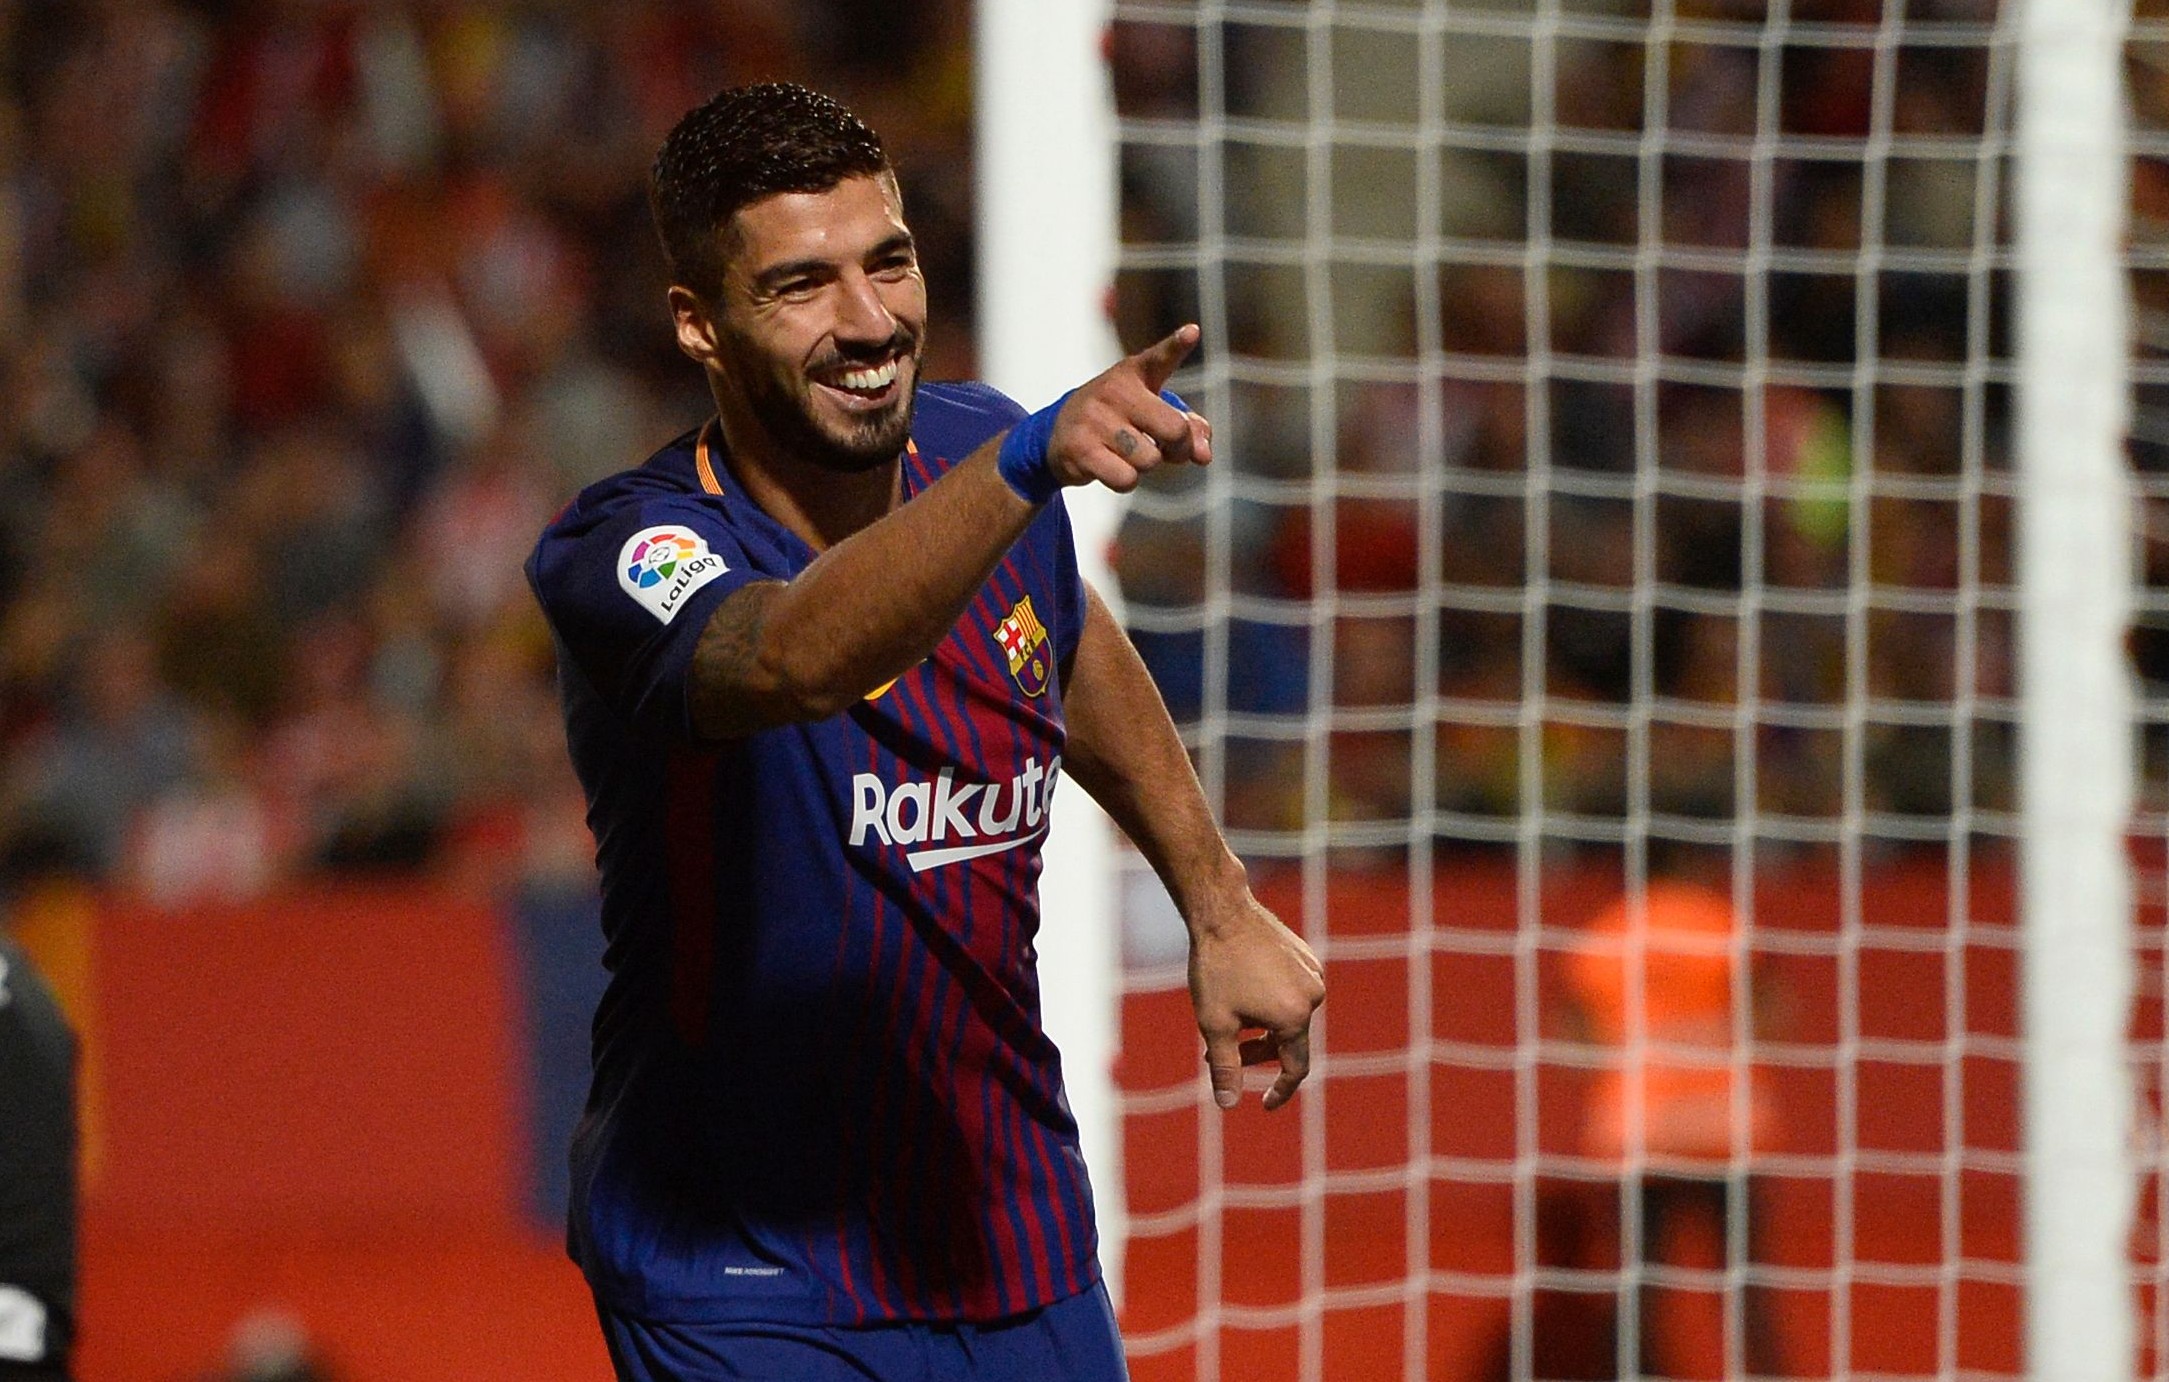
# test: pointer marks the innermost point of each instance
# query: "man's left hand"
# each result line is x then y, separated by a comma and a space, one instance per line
1248, 972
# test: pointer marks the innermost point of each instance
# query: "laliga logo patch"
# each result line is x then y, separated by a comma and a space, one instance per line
1024, 642
662, 567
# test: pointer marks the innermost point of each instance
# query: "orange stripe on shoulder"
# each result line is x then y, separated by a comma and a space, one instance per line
703, 463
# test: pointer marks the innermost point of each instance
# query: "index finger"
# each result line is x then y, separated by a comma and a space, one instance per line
1156, 363
1294, 1066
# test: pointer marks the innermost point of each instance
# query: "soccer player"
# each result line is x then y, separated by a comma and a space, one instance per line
824, 663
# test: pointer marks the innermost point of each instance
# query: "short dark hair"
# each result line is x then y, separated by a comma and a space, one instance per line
747, 143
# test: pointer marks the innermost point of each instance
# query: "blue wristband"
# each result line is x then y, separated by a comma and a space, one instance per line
1022, 460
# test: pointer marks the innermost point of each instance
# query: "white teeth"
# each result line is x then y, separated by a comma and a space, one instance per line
869, 379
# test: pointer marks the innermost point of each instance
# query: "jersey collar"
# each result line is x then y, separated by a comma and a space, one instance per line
704, 460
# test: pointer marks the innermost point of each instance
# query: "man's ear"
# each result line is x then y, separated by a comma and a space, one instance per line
695, 327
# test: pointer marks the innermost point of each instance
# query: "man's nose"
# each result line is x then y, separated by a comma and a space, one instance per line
862, 315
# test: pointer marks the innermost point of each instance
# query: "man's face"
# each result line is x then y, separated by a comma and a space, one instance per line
821, 321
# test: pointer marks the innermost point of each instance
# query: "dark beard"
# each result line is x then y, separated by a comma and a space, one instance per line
870, 443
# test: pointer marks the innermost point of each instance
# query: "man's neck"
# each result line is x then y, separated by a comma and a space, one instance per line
822, 506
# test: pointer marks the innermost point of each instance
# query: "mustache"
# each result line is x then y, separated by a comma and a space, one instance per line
903, 343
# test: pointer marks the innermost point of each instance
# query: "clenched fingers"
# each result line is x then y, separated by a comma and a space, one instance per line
1167, 428
1116, 440
1201, 438
1293, 1048
1136, 423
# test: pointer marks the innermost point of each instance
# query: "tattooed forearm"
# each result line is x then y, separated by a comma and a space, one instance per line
728, 695
865, 611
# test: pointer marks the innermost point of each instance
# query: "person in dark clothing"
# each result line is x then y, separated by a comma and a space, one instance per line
37, 1176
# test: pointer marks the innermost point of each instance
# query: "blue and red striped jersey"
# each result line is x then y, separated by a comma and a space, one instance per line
821, 1090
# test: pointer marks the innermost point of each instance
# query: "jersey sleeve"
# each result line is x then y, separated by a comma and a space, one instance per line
627, 593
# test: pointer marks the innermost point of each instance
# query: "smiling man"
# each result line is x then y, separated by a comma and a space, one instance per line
825, 661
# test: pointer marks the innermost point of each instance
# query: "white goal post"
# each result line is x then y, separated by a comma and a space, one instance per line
1046, 208
2077, 746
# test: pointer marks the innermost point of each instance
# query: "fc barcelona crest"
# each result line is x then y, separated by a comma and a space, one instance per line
1024, 641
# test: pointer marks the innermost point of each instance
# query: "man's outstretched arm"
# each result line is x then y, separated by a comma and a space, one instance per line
869, 608
1247, 970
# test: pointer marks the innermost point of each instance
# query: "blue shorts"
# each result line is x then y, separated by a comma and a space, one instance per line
1072, 1340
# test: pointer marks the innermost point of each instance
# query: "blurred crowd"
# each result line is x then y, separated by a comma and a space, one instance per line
312, 312
1756, 491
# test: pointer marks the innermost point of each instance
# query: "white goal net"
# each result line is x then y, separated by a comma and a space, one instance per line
1603, 640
